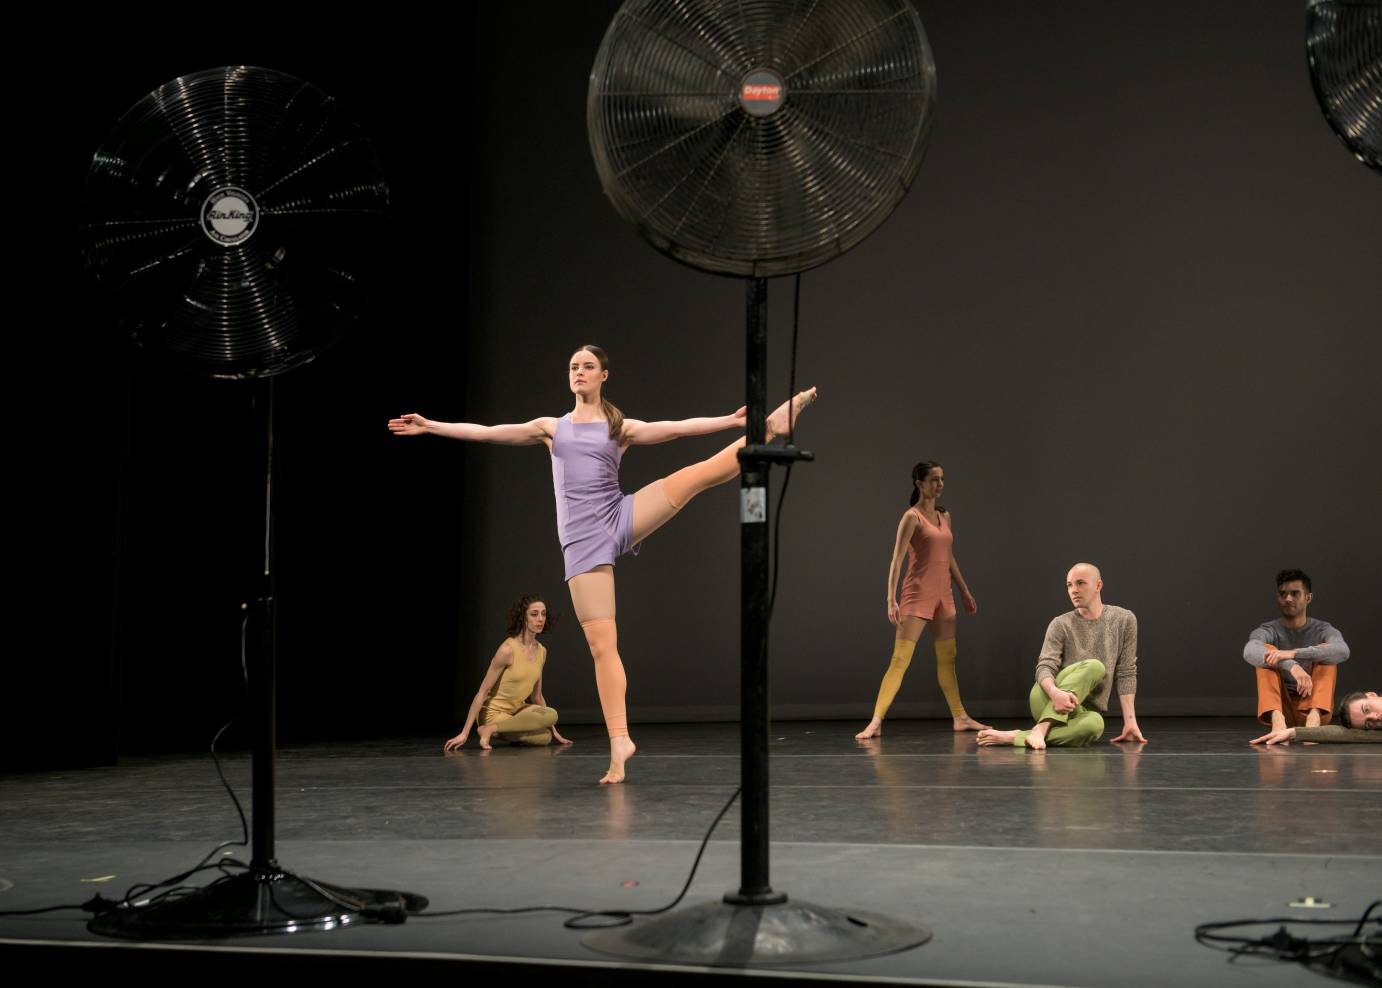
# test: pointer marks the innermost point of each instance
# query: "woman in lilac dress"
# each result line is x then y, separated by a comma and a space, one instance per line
597, 522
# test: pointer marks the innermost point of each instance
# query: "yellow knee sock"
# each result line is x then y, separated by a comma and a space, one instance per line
945, 675
603, 637
892, 679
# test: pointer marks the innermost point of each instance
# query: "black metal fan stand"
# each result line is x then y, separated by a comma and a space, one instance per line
757, 924
267, 898
258, 155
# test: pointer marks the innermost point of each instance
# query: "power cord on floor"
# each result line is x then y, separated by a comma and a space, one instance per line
1315, 953
144, 894
618, 917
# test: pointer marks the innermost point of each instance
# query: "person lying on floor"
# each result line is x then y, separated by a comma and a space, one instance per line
1359, 720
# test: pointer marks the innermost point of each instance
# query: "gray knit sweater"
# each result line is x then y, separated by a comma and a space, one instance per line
1111, 638
1305, 641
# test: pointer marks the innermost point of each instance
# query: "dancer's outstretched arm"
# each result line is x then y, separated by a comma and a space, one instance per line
501, 661
905, 528
638, 433
522, 434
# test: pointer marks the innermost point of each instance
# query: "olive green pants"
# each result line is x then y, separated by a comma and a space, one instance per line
1081, 726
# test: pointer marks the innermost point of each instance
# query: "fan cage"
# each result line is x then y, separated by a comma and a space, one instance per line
723, 190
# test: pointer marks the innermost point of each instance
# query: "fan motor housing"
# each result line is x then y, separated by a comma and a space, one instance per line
229, 216
762, 93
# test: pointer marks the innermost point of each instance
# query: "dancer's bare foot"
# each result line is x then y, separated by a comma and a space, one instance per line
988, 736
968, 723
1036, 737
484, 732
1036, 740
1312, 719
621, 749
1278, 721
778, 424
874, 730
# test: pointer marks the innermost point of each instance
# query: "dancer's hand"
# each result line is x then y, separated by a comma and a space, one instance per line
1130, 733
893, 614
410, 424
1063, 701
741, 417
971, 605
556, 736
1284, 736
455, 743
1303, 683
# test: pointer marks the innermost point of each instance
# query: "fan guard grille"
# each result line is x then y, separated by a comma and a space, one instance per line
727, 190
182, 161
1343, 44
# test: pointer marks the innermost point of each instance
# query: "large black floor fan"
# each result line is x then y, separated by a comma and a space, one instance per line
757, 139
1343, 46
232, 220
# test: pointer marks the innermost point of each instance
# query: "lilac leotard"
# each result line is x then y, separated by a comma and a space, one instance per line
594, 518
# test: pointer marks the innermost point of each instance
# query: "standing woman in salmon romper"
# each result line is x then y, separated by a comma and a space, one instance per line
596, 522
926, 536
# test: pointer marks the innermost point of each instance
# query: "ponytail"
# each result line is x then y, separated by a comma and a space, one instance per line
613, 416
919, 472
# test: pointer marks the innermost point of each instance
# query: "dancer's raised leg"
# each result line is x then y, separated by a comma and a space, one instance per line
909, 631
656, 504
592, 596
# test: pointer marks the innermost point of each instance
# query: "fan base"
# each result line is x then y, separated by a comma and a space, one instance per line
257, 903
719, 934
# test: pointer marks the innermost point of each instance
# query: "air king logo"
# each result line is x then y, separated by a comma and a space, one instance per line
229, 216
762, 92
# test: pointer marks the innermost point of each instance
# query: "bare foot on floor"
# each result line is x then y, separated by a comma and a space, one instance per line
874, 730
621, 749
988, 736
968, 723
1312, 719
484, 732
1035, 740
777, 424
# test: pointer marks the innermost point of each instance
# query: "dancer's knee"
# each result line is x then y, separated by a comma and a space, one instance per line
1093, 668
677, 489
602, 635
1089, 728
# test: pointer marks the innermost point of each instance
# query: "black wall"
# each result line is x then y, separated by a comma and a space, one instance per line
1131, 304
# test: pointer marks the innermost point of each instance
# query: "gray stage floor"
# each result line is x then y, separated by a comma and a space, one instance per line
1085, 867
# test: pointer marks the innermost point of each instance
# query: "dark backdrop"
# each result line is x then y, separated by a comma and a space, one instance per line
1131, 305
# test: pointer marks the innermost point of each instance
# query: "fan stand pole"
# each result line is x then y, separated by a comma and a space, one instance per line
265, 899
756, 924
757, 458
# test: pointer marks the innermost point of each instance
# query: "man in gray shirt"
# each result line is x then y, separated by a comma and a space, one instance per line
1086, 652
1296, 658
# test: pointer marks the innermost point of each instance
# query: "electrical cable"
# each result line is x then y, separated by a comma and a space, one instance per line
1287, 946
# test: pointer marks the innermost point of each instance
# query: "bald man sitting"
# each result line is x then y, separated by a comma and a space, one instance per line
1086, 652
